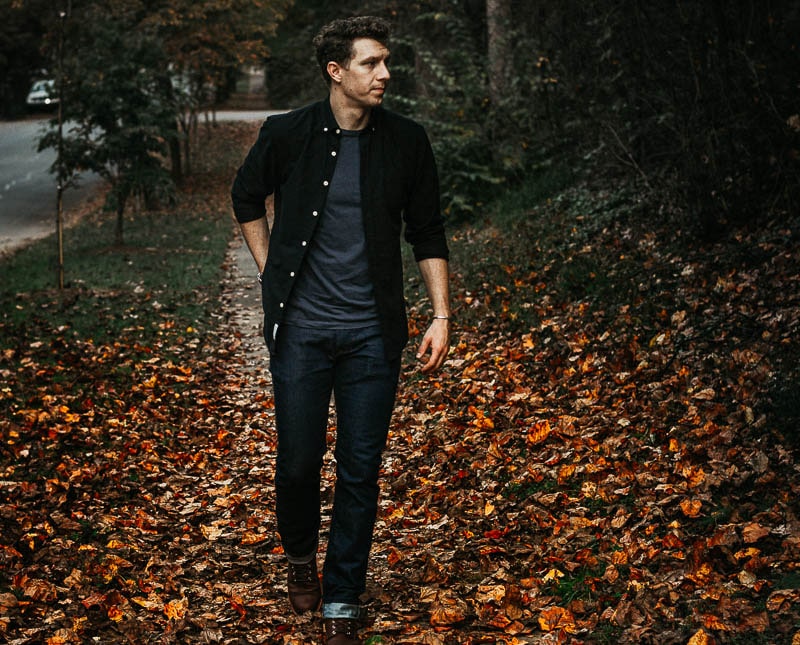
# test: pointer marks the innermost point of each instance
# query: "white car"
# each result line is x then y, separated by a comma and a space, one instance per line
42, 94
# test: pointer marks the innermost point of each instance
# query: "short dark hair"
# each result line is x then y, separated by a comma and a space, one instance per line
334, 42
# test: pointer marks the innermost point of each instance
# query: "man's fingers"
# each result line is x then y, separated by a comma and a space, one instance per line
438, 348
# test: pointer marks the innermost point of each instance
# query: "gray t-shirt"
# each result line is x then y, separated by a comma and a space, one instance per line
334, 289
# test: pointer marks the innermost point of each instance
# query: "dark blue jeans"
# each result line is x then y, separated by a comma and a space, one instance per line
307, 365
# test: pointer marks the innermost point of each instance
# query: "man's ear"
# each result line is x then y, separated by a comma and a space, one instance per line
335, 71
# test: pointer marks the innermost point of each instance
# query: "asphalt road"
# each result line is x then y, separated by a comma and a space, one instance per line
28, 189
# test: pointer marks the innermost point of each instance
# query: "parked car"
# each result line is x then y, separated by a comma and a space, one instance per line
42, 94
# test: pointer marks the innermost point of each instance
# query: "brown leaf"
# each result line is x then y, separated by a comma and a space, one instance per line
447, 610
753, 532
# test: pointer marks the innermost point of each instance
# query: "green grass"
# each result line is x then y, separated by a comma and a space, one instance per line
167, 273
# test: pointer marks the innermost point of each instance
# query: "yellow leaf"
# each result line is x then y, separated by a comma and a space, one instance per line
61, 637
553, 575
783, 599
700, 638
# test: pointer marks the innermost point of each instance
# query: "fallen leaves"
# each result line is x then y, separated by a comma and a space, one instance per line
602, 475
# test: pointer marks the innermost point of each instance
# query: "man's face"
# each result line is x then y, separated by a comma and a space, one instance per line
363, 81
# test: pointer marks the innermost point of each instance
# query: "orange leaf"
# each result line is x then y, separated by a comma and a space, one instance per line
61, 637
251, 537
711, 621
237, 602
554, 618
394, 556
691, 507
115, 613
539, 431
565, 472
176, 609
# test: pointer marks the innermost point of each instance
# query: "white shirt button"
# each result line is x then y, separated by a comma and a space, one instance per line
315, 213
325, 183
333, 154
324, 129
291, 274
281, 305
305, 243
338, 131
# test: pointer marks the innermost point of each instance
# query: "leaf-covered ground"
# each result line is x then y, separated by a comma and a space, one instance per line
608, 457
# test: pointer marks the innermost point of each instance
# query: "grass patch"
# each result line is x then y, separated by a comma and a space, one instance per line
167, 273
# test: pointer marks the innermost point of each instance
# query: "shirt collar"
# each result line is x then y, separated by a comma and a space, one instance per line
329, 121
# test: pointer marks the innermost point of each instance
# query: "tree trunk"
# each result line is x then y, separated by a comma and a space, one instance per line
498, 22
120, 219
175, 155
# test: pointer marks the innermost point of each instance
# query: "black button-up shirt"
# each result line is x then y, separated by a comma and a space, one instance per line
294, 158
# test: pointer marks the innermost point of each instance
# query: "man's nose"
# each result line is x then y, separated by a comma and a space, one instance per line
383, 72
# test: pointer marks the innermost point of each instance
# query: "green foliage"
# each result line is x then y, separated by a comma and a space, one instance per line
292, 75
119, 117
695, 98
443, 87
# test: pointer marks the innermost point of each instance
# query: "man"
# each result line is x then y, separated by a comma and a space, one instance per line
346, 175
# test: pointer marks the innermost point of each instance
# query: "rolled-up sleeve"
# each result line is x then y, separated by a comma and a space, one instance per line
423, 217
254, 180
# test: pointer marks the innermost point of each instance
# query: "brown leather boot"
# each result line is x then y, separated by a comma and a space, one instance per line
341, 631
305, 593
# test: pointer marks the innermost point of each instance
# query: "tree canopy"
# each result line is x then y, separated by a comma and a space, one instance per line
129, 72
697, 101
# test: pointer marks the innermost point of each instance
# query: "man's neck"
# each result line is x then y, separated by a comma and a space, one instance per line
347, 116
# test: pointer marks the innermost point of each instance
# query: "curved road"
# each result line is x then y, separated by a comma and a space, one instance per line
28, 189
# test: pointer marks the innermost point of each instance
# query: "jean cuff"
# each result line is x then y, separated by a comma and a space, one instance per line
342, 610
304, 559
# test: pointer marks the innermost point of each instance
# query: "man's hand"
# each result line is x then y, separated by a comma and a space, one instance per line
436, 341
